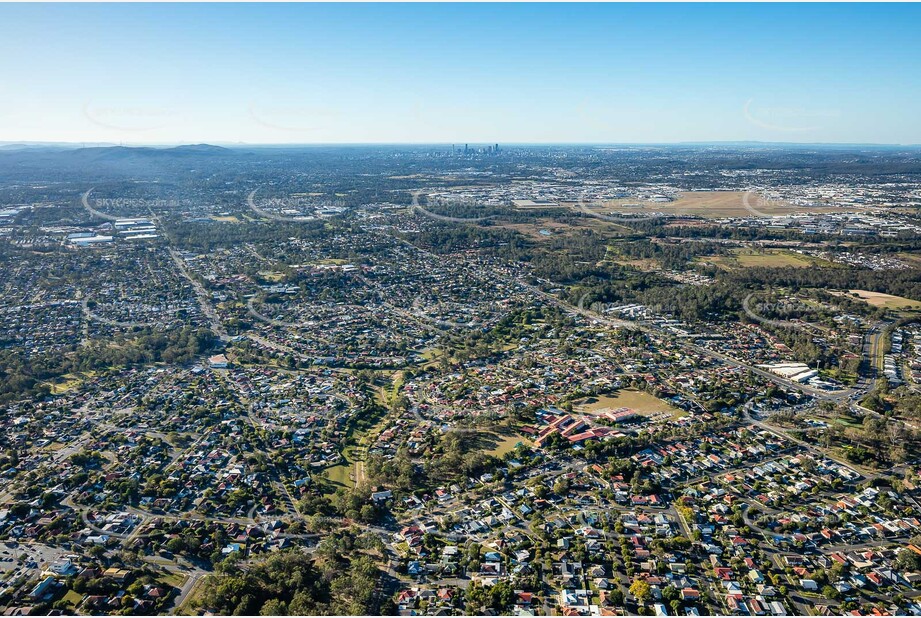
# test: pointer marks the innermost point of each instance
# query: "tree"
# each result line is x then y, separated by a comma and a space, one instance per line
367, 513
273, 607
501, 597
908, 560
175, 545
561, 487
640, 589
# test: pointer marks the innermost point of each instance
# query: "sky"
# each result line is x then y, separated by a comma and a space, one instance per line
460, 73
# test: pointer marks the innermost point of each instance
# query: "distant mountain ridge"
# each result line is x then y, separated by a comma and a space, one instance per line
97, 162
66, 146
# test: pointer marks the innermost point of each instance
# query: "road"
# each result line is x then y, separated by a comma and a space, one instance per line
781, 433
819, 394
874, 347
204, 299
192, 580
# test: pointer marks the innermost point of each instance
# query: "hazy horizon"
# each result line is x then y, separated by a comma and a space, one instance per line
477, 73
458, 145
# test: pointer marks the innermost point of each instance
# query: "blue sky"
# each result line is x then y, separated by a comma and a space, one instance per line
614, 73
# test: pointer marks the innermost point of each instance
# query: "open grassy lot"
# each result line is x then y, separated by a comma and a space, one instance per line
72, 598
557, 229
67, 384
69, 381
646, 265
496, 441
639, 401
878, 299
173, 579
771, 258
709, 204
506, 443
341, 474
911, 258
768, 258
272, 275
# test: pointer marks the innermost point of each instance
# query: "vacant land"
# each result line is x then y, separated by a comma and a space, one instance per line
911, 258
555, 229
747, 258
72, 598
271, 275
534, 205
638, 401
709, 204
69, 382
769, 258
647, 265
507, 443
886, 301
341, 474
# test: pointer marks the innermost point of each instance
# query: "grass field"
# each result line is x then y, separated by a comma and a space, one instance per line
173, 579
886, 301
271, 275
911, 258
67, 385
768, 258
69, 382
709, 204
496, 441
341, 474
331, 262
639, 401
748, 258
507, 443
558, 229
351, 470
646, 265
73, 598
